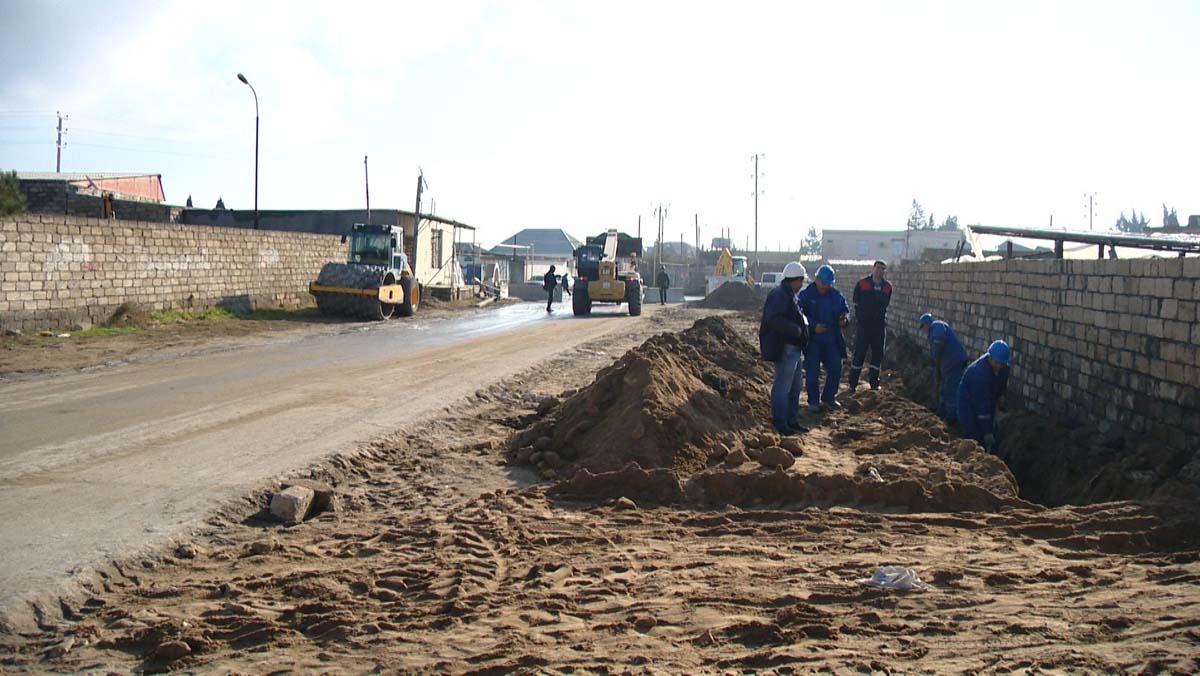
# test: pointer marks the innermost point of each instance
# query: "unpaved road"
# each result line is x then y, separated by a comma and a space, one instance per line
94, 465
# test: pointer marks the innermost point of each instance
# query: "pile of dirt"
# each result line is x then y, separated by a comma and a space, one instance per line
1057, 462
733, 296
129, 314
667, 404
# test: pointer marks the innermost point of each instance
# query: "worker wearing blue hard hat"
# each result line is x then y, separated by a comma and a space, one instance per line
827, 313
982, 385
949, 361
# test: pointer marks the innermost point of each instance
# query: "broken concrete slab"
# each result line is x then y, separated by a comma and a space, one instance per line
291, 504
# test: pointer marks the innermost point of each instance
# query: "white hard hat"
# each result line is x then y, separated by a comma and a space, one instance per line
793, 270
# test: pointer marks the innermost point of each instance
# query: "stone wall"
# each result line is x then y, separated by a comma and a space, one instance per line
64, 271
1112, 343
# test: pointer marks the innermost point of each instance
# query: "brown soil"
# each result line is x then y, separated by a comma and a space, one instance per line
441, 557
733, 296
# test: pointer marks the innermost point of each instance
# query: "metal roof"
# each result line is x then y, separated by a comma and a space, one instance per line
552, 242
1113, 239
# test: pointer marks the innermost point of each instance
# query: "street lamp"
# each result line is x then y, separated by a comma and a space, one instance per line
247, 83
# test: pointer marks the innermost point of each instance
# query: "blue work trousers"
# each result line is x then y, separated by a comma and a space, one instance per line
822, 351
947, 407
785, 390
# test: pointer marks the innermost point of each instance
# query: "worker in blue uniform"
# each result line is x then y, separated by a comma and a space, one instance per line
782, 337
827, 313
982, 385
949, 361
872, 295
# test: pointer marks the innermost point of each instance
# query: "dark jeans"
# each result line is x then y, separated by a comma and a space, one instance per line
786, 388
662, 296
549, 299
867, 338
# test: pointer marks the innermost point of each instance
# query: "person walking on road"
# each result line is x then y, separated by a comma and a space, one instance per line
983, 383
826, 310
871, 296
566, 283
663, 282
782, 337
949, 362
548, 283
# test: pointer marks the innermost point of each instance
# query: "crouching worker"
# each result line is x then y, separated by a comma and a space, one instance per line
983, 383
949, 362
782, 338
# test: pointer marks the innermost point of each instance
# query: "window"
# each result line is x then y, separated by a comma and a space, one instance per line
864, 248
898, 248
435, 249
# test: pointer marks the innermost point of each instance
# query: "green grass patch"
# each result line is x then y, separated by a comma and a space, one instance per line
220, 314
102, 331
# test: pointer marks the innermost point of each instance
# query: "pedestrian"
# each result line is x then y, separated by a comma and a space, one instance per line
949, 362
782, 337
827, 313
548, 283
663, 282
871, 296
566, 283
982, 385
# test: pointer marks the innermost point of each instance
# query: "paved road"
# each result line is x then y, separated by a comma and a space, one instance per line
94, 465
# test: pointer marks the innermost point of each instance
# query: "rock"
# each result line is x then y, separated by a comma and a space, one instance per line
535, 458
172, 650
61, 649
524, 455
625, 504
792, 445
719, 452
13, 333
550, 459
774, 456
546, 405
323, 494
567, 394
966, 446
645, 623
186, 551
486, 445
263, 546
736, 459
872, 476
291, 504
549, 474
768, 439
543, 444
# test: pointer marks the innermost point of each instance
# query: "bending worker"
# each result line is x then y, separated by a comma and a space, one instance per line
983, 383
827, 312
949, 361
871, 296
782, 337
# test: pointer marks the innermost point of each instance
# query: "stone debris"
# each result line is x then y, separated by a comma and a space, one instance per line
291, 504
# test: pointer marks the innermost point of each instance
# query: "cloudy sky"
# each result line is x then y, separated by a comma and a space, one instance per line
585, 115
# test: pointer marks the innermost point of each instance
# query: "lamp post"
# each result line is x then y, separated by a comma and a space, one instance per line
247, 83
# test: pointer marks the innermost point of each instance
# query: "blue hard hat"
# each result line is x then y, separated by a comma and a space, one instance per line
999, 351
825, 274
926, 320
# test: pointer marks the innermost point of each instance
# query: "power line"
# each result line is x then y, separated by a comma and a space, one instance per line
155, 152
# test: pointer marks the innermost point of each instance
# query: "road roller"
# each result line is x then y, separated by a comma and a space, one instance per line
374, 283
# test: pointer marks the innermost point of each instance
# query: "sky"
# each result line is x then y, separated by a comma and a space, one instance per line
588, 115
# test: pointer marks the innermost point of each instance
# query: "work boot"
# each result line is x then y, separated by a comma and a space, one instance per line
797, 428
833, 404
852, 380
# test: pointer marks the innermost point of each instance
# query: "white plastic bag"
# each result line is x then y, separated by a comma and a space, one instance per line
895, 577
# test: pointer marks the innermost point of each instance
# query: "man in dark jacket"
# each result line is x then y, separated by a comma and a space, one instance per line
549, 281
872, 295
782, 338
663, 282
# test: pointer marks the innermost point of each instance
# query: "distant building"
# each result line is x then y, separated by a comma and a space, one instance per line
889, 245
99, 194
532, 251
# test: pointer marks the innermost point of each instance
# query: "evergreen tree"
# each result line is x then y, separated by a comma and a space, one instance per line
11, 199
811, 244
916, 217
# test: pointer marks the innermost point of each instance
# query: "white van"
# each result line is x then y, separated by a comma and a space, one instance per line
770, 279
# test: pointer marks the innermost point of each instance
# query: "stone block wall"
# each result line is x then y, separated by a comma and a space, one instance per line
64, 271
1112, 343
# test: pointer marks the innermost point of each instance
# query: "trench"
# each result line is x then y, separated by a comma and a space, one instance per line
1059, 462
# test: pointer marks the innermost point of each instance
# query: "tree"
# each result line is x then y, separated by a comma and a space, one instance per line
916, 217
11, 199
1136, 222
811, 244
951, 223
1170, 219
930, 225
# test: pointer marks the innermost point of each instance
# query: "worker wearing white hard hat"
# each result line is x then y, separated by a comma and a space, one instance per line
782, 338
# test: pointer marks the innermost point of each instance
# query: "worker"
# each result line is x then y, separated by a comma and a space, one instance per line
982, 385
949, 361
871, 296
663, 282
827, 313
566, 283
548, 283
782, 337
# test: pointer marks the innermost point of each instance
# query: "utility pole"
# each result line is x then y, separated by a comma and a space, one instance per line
421, 185
757, 156
58, 144
661, 213
639, 226
367, 184
1091, 208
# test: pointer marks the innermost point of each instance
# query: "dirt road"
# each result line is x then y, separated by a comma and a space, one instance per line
97, 464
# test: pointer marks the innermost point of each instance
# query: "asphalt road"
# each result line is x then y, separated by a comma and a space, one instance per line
94, 465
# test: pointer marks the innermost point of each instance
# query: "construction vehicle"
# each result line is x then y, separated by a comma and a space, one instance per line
606, 271
374, 283
729, 268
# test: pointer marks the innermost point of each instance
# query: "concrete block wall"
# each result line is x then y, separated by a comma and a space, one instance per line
64, 271
1111, 343
57, 197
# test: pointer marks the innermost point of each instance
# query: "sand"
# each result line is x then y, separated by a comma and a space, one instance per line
443, 553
